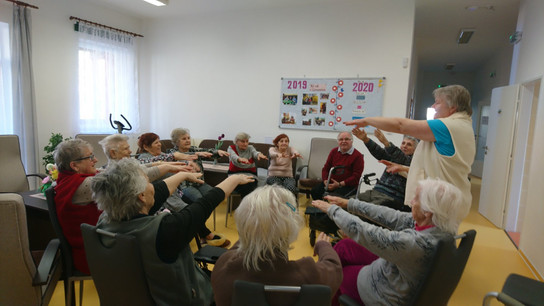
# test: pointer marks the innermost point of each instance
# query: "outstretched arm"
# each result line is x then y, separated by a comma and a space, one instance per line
416, 128
228, 184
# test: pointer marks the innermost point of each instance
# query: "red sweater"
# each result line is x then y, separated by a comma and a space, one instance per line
71, 215
354, 166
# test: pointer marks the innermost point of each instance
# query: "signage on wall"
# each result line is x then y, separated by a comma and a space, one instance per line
325, 103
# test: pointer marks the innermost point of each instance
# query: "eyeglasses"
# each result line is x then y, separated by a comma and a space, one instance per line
291, 206
90, 157
344, 139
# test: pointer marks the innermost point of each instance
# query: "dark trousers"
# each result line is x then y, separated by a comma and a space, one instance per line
319, 190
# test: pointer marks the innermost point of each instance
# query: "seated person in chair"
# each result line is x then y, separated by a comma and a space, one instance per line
267, 224
116, 147
127, 198
385, 266
345, 179
76, 163
280, 170
181, 139
389, 189
242, 158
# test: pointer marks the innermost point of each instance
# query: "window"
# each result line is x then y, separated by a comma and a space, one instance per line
6, 100
430, 113
108, 78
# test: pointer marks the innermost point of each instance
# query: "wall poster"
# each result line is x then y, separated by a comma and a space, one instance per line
325, 103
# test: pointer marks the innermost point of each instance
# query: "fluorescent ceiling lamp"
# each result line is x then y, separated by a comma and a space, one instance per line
157, 2
464, 36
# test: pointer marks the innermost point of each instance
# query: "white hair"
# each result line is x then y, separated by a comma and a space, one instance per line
267, 224
112, 142
445, 202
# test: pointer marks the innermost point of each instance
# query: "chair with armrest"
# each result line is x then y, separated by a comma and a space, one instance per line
319, 151
21, 281
11, 162
518, 290
250, 293
70, 274
98, 152
116, 266
207, 254
442, 274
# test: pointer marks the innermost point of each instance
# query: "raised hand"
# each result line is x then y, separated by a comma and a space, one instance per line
381, 137
361, 134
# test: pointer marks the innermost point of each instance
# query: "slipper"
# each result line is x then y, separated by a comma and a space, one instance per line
218, 240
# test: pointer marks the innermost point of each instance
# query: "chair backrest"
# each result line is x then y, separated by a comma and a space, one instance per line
263, 148
16, 263
11, 162
210, 144
444, 271
166, 145
256, 294
66, 249
98, 152
116, 267
319, 151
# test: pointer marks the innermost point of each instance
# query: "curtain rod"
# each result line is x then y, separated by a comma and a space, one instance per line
23, 4
104, 26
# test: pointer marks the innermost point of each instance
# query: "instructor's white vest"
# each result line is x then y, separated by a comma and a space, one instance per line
428, 163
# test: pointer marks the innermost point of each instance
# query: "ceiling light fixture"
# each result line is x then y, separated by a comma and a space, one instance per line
473, 8
464, 36
157, 2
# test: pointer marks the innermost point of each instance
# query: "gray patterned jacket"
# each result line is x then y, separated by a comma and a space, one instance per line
403, 251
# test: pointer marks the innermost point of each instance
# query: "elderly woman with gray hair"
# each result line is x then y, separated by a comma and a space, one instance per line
267, 224
384, 266
181, 139
76, 164
242, 160
126, 196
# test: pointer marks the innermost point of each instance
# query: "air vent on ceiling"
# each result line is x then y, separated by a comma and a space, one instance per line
464, 36
449, 66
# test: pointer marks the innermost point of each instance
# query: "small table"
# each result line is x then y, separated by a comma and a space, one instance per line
215, 173
40, 229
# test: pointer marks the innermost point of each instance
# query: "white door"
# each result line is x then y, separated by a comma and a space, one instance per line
498, 154
481, 139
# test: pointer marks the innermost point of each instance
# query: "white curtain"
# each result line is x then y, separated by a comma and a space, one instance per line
24, 104
108, 78
6, 101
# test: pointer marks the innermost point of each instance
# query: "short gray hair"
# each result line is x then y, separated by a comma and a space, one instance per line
456, 96
68, 151
241, 136
116, 189
266, 225
112, 143
412, 138
177, 134
347, 133
445, 202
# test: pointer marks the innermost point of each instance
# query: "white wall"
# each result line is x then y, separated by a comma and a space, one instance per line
220, 73
529, 65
